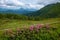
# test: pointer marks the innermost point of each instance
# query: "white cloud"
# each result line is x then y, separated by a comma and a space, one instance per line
59, 1
16, 2
26, 4
46, 2
34, 6
9, 7
11, 4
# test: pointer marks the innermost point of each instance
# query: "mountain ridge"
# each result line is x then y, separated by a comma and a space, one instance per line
49, 11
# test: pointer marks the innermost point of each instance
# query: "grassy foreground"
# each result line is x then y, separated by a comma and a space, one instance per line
52, 33
7, 23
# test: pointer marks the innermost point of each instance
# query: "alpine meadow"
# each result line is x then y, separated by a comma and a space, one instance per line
30, 20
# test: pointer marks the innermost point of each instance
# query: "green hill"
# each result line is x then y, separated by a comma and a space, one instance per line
49, 11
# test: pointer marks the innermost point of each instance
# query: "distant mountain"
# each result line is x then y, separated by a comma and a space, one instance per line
49, 11
18, 11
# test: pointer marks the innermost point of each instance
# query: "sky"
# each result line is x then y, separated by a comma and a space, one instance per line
25, 4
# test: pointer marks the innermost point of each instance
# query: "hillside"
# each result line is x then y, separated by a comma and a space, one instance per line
49, 11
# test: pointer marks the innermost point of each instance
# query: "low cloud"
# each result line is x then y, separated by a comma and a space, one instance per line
26, 4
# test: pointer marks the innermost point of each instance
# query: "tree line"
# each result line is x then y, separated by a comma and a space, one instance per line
18, 17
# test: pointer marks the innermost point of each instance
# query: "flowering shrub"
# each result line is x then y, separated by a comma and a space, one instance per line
38, 26
31, 27
38, 32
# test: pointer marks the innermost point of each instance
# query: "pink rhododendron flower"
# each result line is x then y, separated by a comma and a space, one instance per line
31, 27
39, 26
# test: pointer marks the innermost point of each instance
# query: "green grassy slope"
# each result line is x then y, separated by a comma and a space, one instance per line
12, 24
5, 24
49, 11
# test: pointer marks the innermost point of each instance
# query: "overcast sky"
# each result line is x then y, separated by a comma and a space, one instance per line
26, 4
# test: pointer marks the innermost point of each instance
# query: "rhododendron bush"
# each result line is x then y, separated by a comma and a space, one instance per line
34, 32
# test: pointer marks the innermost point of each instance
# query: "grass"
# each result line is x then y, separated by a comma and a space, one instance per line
19, 23
12, 24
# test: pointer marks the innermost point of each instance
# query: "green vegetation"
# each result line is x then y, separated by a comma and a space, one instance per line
49, 11
34, 32
12, 23
49, 15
